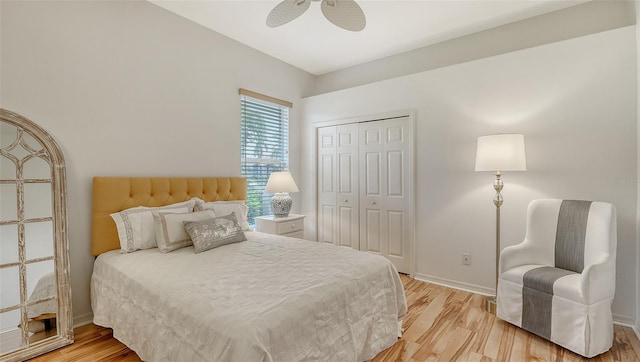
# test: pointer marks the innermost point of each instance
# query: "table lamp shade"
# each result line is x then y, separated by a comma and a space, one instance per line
501, 152
281, 181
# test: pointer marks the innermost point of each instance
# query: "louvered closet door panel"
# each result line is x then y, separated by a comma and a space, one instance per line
327, 184
347, 187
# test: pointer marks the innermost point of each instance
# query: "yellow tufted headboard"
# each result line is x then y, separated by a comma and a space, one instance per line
113, 194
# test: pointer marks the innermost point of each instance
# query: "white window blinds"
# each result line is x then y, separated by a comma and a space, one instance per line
265, 146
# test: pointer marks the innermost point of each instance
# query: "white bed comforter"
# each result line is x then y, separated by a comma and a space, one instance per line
270, 298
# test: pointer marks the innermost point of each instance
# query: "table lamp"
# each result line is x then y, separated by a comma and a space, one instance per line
280, 184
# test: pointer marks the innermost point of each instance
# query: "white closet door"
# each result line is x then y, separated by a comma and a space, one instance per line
372, 169
386, 190
347, 187
327, 211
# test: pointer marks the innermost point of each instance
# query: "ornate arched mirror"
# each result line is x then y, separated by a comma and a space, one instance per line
35, 294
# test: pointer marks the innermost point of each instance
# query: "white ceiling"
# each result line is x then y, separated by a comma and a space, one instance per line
313, 44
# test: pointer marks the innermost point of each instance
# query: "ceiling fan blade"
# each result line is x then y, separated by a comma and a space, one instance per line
286, 11
346, 14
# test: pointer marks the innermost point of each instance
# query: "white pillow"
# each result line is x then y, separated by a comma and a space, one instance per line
222, 208
170, 231
135, 225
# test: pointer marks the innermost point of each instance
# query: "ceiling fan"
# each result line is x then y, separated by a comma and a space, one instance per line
346, 14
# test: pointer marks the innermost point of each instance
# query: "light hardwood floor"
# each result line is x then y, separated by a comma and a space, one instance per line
443, 324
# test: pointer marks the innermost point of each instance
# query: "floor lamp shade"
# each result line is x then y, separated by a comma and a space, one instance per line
501, 152
281, 183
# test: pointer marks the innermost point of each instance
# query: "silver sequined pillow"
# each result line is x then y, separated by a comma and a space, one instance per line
211, 233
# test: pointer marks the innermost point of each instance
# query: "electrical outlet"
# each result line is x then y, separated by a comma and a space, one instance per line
466, 259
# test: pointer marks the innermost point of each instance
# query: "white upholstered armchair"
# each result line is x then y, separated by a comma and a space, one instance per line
560, 281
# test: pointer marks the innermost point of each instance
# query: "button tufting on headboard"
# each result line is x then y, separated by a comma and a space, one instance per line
113, 194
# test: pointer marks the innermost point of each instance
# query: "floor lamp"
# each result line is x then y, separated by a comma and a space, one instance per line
497, 153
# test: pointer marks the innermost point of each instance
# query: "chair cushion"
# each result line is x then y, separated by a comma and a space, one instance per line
567, 286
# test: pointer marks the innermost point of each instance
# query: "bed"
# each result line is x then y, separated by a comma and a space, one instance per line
269, 298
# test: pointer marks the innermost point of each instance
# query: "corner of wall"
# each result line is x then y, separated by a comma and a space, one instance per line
82, 320
574, 21
1, 62
637, 324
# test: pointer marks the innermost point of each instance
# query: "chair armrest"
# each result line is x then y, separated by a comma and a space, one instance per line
524, 253
598, 280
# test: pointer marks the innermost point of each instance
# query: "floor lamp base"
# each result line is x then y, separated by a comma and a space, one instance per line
491, 305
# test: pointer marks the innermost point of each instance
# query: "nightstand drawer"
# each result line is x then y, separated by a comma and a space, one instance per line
287, 227
297, 234
292, 225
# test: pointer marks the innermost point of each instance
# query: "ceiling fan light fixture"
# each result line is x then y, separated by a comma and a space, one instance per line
287, 11
346, 14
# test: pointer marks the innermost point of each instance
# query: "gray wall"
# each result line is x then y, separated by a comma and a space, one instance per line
127, 88
574, 100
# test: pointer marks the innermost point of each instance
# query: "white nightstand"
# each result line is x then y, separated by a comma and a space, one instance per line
292, 225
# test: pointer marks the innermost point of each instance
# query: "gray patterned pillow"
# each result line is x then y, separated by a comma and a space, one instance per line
211, 233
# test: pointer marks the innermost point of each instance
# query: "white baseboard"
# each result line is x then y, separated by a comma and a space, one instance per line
623, 320
82, 320
626, 321
477, 289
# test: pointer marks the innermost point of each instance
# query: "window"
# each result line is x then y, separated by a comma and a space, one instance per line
265, 146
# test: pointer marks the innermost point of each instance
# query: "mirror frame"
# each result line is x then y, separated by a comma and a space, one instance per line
64, 316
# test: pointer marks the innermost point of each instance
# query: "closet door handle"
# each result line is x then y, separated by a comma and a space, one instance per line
345, 200
373, 202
